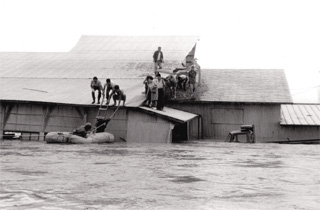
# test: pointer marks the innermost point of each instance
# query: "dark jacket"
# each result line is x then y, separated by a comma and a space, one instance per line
155, 56
101, 125
82, 131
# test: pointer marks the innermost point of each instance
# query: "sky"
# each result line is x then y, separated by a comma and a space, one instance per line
234, 34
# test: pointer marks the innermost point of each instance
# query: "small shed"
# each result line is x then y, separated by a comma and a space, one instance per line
300, 121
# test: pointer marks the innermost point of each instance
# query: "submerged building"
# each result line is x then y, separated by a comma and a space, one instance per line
43, 92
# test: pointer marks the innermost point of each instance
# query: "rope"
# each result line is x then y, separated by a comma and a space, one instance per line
115, 111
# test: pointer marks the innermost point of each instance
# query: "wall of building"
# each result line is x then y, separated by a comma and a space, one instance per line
129, 125
218, 119
299, 132
147, 128
42, 118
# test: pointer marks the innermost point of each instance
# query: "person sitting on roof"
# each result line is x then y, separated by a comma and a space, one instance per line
158, 59
95, 85
109, 86
83, 130
192, 80
101, 124
118, 95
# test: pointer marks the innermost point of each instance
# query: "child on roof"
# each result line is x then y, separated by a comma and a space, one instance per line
95, 85
152, 95
159, 81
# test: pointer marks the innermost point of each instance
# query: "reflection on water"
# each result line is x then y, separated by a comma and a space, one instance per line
195, 175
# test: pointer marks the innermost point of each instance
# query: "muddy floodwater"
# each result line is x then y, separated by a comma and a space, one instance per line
194, 175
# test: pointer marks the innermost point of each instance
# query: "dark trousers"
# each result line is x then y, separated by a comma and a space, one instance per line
160, 103
94, 97
148, 97
108, 91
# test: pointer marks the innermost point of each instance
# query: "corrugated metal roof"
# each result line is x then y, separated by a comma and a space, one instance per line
67, 91
102, 56
300, 114
244, 85
173, 114
62, 77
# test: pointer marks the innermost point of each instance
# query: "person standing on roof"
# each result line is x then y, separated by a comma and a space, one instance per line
95, 85
152, 95
109, 86
160, 85
192, 80
119, 95
158, 59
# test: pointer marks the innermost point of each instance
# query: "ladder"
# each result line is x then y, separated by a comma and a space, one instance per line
102, 112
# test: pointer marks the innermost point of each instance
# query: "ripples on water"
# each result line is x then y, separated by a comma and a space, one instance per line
195, 175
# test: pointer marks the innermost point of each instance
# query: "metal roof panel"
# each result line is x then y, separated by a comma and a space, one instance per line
300, 114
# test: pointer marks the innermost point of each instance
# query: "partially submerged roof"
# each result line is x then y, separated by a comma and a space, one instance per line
63, 91
136, 48
102, 56
63, 77
300, 114
171, 114
244, 85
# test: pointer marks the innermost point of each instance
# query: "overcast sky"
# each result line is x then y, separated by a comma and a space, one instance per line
281, 34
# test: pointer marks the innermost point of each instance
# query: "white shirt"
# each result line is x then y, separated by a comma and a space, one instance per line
159, 56
159, 83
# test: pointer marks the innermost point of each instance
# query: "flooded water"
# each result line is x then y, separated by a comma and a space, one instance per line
195, 175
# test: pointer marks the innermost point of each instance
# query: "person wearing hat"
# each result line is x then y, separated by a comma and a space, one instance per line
158, 59
95, 85
83, 130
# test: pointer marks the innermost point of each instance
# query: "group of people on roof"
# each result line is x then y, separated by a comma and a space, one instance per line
116, 93
154, 90
155, 86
